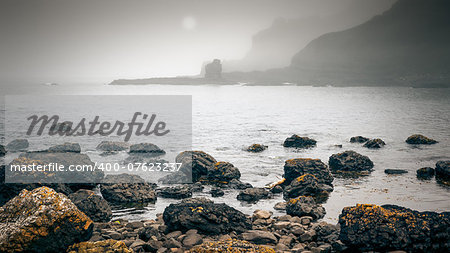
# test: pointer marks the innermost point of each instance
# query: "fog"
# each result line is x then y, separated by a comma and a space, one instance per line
98, 41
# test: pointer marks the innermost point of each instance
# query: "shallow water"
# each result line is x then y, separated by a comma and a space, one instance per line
226, 119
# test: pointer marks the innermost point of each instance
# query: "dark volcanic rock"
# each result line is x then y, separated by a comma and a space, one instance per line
295, 168
296, 141
374, 143
2, 151
305, 206
196, 161
230, 246
254, 194
113, 146
259, 237
66, 147
395, 171
105, 246
17, 145
222, 172
306, 185
255, 148
358, 139
175, 192
207, 218
239, 185
350, 161
443, 171
42, 221
390, 227
216, 192
147, 148
420, 139
94, 206
125, 188
425, 173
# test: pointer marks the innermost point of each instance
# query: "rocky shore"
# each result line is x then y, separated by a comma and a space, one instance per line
43, 217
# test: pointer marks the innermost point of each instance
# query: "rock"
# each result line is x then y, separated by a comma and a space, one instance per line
280, 206
147, 148
425, 173
94, 206
350, 161
305, 206
106, 246
276, 189
261, 214
306, 185
66, 147
196, 161
196, 187
296, 141
2, 151
256, 148
110, 146
17, 145
420, 139
207, 218
295, 168
125, 188
390, 227
213, 70
198, 200
42, 220
327, 232
216, 192
222, 172
374, 143
443, 171
175, 192
192, 239
259, 237
395, 171
239, 185
358, 139
254, 194
230, 246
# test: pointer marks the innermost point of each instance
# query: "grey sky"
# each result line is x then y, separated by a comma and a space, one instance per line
100, 40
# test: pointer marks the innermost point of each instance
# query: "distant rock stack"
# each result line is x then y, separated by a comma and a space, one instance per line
213, 70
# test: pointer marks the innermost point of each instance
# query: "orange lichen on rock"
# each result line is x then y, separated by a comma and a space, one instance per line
106, 246
230, 246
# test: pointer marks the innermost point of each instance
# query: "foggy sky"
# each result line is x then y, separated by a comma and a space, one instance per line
101, 40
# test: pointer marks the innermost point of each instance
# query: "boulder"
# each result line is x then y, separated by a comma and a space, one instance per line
110, 146
94, 206
147, 148
305, 206
256, 148
259, 237
207, 218
395, 171
391, 227
306, 185
443, 171
42, 220
175, 192
358, 139
238, 184
296, 141
222, 172
66, 147
106, 246
295, 168
374, 143
425, 173
350, 161
261, 214
420, 139
217, 192
2, 151
125, 188
17, 145
231, 245
195, 163
198, 200
254, 194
